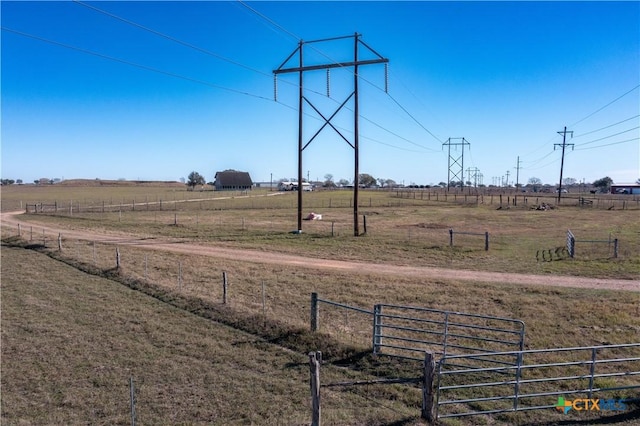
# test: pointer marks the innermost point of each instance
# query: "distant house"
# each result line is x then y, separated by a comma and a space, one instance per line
232, 180
625, 188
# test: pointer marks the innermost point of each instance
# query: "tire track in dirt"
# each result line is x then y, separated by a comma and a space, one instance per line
255, 256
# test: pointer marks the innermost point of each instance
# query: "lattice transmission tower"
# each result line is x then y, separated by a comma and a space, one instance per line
456, 161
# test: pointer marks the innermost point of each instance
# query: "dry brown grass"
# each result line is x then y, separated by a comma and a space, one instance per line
71, 341
400, 231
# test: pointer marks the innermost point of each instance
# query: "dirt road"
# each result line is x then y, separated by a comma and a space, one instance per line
11, 220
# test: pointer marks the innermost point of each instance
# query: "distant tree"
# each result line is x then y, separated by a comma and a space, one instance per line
19, 181
638, 181
381, 182
534, 181
442, 184
8, 181
603, 184
569, 181
328, 181
366, 180
195, 179
389, 183
343, 182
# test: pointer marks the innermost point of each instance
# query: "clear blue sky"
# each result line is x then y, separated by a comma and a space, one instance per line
155, 90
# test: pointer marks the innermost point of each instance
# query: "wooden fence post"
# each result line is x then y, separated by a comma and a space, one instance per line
314, 367
429, 369
224, 288
486, 241
314, 311
450, 237
364, 223
615, 248
19, 231
117, 258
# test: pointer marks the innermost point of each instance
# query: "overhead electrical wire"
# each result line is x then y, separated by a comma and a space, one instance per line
606, 127
609, 144
189, 45
141, 66
281, 28
607, 137
168, 37
603, 107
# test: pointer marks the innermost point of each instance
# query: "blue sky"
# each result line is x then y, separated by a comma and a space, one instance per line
155, 90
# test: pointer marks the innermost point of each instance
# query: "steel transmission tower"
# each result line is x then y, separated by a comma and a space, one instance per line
456, 163
563, 145
301, 69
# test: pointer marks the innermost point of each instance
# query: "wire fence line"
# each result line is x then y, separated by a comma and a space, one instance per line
239, 200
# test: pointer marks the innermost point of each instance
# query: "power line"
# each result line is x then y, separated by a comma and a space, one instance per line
609, 144
281, 28
173, 39
144, 67
193, 80
603, 107
606, 127
610, 136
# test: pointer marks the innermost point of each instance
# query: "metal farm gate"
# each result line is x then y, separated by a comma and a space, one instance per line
606, 378
407, 332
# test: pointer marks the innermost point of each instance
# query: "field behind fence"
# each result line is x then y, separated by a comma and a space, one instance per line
411, 234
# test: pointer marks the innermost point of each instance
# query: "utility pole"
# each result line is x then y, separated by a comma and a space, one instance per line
507, 177
456, 161
564, 145
301, 69
518, 172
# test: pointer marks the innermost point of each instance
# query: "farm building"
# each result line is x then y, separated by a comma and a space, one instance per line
230, 180
293, 186
625, 188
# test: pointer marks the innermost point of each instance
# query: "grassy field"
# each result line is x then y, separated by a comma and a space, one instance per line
401, 230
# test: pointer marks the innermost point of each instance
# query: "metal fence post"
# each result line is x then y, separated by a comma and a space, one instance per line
314, 311
59, 242
615, 248
486, 241
377, 328
450, 237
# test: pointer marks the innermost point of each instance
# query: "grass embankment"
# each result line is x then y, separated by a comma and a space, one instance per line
71, 342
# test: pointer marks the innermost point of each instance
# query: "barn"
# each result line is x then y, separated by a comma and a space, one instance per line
232, 180
625, 188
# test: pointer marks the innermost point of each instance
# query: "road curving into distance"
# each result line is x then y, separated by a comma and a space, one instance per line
11, 220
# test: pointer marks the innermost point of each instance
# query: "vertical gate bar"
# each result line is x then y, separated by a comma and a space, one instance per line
592, 371
446, 334
439, 375
377, 325
517, 384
